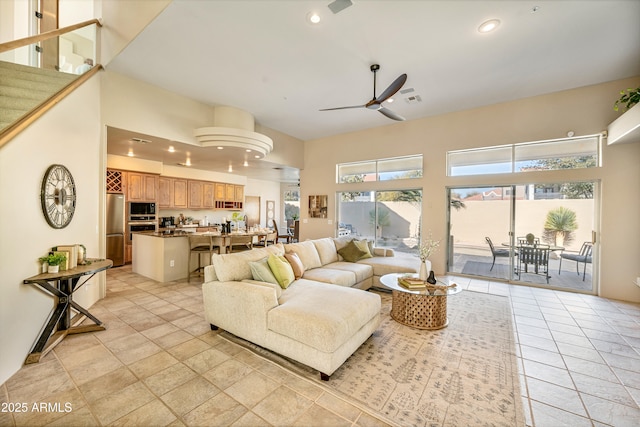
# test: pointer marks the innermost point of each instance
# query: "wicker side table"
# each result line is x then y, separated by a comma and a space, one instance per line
418, 308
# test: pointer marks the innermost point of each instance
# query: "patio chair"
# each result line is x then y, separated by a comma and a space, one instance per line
497, 252
584, 255
536, 256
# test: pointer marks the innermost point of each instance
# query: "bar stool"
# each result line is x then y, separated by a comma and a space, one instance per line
198, 245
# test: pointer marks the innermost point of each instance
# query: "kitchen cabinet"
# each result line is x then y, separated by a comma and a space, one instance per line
208, 195
141, 187
195, 195
165, 192
238, 193
172, 192
221, 192
182, 193
179, 193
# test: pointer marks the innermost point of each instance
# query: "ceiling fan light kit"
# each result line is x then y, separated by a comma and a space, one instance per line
376, 101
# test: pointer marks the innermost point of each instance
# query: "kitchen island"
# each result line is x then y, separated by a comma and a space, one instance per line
165, 256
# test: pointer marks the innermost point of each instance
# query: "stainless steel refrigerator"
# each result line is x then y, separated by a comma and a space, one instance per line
115, 228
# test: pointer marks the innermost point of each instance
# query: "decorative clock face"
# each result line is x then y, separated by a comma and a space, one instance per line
58, 196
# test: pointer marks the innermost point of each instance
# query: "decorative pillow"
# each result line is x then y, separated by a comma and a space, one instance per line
296, 264
363, 245
281, 269
351, 252
262, 272
326, 250
307, 252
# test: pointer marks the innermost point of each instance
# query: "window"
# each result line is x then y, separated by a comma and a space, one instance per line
568, 153
409, 167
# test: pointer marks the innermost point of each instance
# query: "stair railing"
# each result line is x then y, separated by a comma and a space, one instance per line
72, 72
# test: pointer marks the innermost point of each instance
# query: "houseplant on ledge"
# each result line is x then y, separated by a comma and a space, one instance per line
427, 248
628, 98
53, 262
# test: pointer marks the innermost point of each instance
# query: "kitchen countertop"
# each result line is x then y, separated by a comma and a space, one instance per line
182, 233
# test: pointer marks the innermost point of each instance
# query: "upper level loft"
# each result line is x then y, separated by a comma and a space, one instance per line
37, 72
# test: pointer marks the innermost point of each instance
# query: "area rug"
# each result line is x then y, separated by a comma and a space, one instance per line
463, 375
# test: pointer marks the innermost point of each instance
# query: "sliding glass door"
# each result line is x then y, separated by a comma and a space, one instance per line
489, 227
389, 218
479, 225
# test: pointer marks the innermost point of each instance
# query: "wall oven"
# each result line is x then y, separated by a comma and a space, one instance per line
138, 226
142, 217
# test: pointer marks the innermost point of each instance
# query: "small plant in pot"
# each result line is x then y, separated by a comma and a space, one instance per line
628, 98
53, 262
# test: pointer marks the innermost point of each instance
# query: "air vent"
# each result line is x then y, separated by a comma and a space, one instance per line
407, 90
140, 141
415, 99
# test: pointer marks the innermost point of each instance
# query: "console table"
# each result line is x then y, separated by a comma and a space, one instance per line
61, 287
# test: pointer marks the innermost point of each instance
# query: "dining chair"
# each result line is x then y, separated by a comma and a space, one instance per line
287, 236
536, 256
523, 241
496, 253
584, 255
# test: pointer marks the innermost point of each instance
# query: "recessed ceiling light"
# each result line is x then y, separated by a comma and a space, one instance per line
245, 164
257, 156
390, 100
230, 169
171, 149
248, 150
130, 153
489, 26
188, 162
313, 17
220, 148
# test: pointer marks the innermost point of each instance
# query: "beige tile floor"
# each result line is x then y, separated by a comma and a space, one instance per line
158, 363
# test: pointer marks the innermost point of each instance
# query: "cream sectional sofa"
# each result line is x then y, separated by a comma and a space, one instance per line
318, 320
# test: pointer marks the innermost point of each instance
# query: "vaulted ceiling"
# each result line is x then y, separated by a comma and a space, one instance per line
266, 58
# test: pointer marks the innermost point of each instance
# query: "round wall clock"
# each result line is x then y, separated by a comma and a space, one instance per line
58, 196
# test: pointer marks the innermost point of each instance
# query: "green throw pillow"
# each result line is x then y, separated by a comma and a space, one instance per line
351, 252
281, 269
363, 245
260, 271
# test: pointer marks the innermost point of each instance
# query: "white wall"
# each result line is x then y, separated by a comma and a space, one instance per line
69, 134
585, 111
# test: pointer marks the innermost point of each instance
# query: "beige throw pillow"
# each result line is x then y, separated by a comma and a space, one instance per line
296, 264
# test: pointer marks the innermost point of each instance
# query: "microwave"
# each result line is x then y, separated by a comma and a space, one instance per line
141, 208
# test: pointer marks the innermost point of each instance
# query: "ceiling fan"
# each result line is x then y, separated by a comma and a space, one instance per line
376, 102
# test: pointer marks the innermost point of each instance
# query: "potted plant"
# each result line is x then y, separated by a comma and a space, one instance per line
427, 248
53, 262
560, 225
629, 98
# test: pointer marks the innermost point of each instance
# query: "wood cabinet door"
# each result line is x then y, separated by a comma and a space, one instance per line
230, 193
134, 187
150, 187
165, 192
179, 193
220, 191
239, 193
208, 194
195, 195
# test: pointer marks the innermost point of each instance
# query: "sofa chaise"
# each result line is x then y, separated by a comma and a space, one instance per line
319, 319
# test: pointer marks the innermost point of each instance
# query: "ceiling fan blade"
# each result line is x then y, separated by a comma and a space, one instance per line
391, 114
392, 89
343, 108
